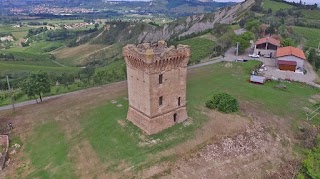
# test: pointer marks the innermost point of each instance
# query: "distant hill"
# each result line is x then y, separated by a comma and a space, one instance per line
126, 32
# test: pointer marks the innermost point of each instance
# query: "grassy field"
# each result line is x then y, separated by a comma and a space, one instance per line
200, 48
101, 129
18, 33
116, 142
38, 47
14, 68
311, 14
43, 141
275, 6
310, 34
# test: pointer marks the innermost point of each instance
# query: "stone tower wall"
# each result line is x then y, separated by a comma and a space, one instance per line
145, 63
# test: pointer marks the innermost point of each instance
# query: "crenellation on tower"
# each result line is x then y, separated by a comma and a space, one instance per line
156, 57
156, 77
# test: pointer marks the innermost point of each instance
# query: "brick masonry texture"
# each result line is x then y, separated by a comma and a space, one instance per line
146, 63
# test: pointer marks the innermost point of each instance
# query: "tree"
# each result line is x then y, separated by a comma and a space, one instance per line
244, 41
37, 84
242, 23
27, 88
312, 55
287, 42
317, 63
269, 11
223, 102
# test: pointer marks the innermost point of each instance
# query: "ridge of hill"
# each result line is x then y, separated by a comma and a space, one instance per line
127, 32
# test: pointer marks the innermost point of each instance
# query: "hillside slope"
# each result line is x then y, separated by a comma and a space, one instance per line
126, 32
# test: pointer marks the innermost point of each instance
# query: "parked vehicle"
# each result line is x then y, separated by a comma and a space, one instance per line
267, 56
254, 55
240, 60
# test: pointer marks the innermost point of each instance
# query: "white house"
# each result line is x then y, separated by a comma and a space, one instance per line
266, 46
290, 58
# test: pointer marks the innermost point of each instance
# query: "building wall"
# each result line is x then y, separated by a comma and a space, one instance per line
173, 87
139, 90
144, 65
300, 62
265, 52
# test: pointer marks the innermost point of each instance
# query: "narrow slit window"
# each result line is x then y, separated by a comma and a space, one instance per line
160, 78
160, 100
179, 101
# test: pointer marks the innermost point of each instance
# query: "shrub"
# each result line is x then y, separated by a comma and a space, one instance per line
223, 102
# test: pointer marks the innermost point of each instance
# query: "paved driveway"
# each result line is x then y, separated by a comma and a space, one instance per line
273, 71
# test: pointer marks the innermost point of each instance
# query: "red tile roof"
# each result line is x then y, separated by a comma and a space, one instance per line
269, 40
286, 51
283, 62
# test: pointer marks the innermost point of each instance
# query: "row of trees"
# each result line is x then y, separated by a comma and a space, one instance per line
35, 85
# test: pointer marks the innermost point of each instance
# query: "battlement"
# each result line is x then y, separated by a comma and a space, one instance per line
156, 56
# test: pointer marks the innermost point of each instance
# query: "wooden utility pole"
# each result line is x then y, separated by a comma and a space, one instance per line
11, 92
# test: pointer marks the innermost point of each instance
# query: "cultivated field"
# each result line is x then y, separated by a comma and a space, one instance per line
27, 67
86, 134
275, 6
84, 53
311, 14
201, 48
310, 34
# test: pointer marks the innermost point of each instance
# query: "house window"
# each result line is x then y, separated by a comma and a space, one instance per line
179, 101
160, 78
160, 100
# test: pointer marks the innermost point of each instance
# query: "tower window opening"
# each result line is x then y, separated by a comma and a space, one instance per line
160, 100
179, 101
160, 78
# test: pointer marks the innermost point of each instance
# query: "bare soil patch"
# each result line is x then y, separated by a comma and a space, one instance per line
231, 146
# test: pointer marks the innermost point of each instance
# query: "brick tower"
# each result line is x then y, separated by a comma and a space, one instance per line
156, 77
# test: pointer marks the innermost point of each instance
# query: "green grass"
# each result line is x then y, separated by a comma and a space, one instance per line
275, 6
47, 147
39, 47
11, 68
28, 56
114, 143
200, 48
45, 63
311, 14
310, 34
17, 32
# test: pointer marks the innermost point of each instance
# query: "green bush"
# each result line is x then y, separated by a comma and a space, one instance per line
311, 164
223, 102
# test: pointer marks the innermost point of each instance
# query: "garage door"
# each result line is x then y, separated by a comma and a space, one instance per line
287, 67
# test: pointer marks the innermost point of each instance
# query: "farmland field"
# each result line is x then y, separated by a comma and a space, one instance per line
275, 6
14, 68
201, 48
18, 33
94, 138
311, 14
310, 34
38, 47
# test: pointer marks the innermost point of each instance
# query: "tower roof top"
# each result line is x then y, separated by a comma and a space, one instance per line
159, 49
